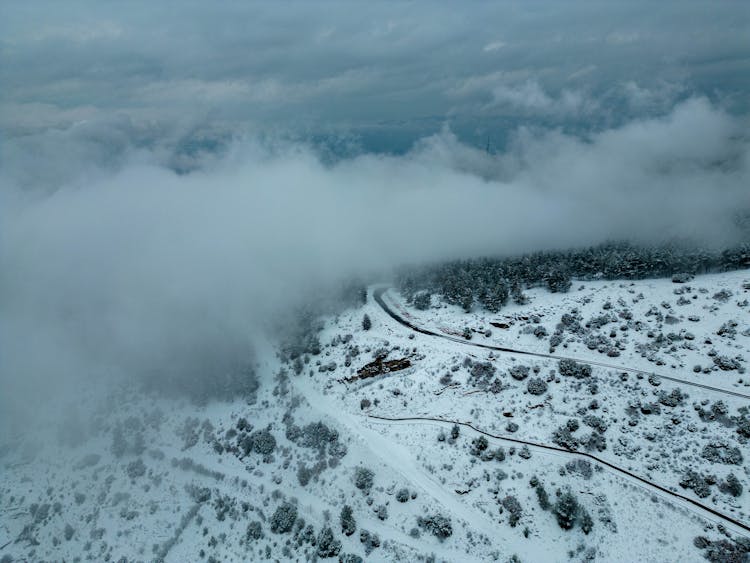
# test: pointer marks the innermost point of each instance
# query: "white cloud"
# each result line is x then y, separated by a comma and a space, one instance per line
106, 250
661, 96
529, 96
494, 46
133, 268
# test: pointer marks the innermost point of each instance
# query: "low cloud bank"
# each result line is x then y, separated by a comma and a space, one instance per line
127, 268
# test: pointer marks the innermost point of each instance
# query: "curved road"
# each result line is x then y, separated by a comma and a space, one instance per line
573, 453
378, 296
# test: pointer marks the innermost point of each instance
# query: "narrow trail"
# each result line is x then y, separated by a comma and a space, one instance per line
378, 296
394, 456
575, 453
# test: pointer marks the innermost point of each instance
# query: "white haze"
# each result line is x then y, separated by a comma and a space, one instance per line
135, 269
290, 124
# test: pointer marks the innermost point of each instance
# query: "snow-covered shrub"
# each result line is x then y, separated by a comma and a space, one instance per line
422, 301
369, 540
580, 466
542, 497
261, 442
519, 372
438, 525
482, 370
555, 340
723, 295
254, 531
481, 375
565, 439
536, 386
499, 454
304, 534
595, 422
540, 332
595, 442
571, 368
363, 479
304, 474
382, 512
566, 510
725, 363
585, 521
700, 484
731, 486
743, 425
735, 550
328, 545
478, 445
348, 523
673, 399
717, 412
136, 469
402, 495
719, 452
317, 435
511, 504
728, 329
282, 520
225, 505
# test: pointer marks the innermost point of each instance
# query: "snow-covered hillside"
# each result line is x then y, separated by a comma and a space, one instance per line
396, 445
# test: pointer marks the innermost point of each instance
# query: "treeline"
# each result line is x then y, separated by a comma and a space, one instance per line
491, 282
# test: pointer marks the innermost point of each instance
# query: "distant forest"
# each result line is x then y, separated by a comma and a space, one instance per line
491, 282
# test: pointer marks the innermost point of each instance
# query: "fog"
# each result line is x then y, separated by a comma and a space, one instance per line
162, 205
140, 269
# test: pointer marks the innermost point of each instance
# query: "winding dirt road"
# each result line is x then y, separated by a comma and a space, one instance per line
681, 499
378, 296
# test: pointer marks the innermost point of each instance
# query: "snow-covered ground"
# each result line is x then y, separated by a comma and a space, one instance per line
150, 478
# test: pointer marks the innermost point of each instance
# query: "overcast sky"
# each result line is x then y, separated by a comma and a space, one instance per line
386, 72
172, 175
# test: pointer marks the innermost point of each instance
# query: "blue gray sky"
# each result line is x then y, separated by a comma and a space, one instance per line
363, 76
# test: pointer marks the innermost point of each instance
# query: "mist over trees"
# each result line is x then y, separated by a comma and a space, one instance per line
488, 282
